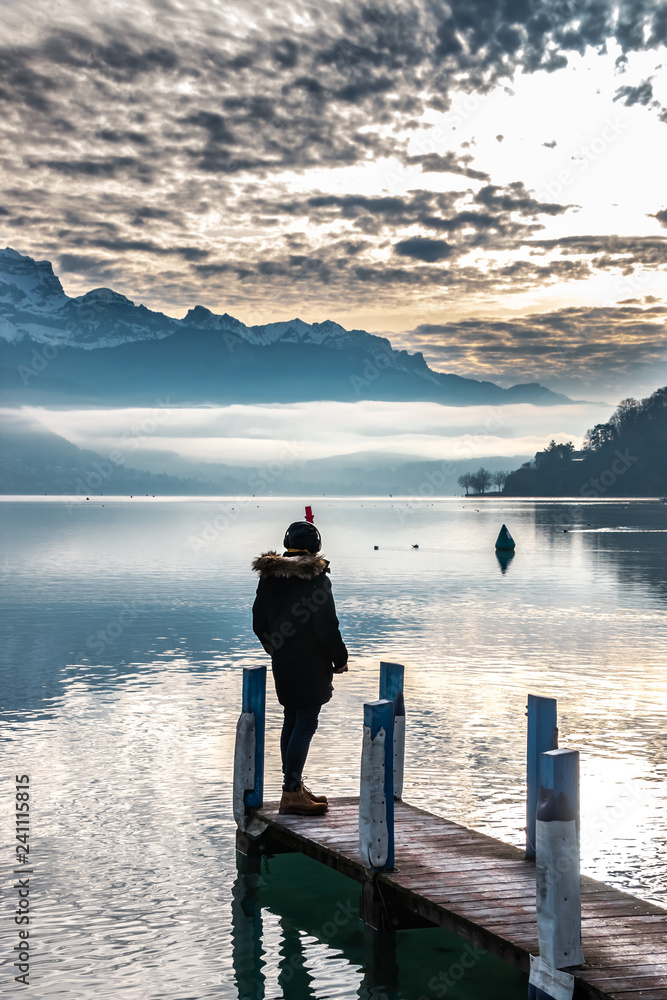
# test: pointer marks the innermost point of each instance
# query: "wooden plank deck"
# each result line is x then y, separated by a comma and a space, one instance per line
484, 890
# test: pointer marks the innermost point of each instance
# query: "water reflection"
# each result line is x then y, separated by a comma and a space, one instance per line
637, 557
129, 734
247, 937
296, 934
628, 538
504, 558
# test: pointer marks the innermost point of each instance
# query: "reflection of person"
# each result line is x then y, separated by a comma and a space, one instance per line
294, 617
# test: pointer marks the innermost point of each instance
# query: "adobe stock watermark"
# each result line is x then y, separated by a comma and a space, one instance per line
301, 611
39, 361
628, 286
101, 472
98, 641
601, 824
342, 915
260, 482
436, 140
597, 486
375, 363
447, 980
467, 447
232, 340
584, 156
43, 354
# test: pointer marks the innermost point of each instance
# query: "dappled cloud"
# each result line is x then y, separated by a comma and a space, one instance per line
389, 167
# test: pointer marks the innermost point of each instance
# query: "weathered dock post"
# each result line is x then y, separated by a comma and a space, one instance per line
376, 795
391, 687
558, 879
376, 806
249, 750
542, 736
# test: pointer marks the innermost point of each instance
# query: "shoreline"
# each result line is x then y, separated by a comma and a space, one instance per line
72, 498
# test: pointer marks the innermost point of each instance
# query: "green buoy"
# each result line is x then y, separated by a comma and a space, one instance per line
504, 541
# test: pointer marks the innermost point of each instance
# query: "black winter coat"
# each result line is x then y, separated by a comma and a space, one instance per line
294, 617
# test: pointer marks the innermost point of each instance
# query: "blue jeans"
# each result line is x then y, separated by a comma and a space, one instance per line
299, 727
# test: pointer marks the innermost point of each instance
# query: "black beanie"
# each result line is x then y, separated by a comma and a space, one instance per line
302, 535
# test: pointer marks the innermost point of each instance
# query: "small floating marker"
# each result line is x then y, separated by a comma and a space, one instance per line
504, 541
376, 547
309, 515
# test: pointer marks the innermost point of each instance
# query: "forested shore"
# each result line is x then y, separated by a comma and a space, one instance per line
627, 456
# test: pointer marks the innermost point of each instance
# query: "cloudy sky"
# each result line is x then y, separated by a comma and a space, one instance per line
483, 180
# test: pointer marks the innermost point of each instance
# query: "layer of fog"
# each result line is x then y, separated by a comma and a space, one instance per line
239, 435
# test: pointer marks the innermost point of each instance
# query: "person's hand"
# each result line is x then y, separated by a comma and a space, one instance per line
340, 670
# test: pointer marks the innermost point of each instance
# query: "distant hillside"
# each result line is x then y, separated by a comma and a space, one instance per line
625, 457
33, 460
101, 348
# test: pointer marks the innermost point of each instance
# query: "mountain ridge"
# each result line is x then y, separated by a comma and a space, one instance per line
204, 357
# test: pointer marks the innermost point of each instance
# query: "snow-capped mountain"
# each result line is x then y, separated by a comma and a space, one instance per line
102, 346
33, 304
295, 331
28, 284
28, 290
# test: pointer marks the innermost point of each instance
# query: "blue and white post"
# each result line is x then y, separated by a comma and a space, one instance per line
249, 749
376, 793
391, 688
542, 736
558, 877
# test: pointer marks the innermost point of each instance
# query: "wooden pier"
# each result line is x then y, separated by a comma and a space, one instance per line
574, 936
479, 888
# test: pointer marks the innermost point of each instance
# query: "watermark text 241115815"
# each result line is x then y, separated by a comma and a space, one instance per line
22, 883
22, 818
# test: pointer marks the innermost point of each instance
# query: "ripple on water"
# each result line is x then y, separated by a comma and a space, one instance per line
130, 748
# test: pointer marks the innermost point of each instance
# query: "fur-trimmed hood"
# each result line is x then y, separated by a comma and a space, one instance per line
305, 567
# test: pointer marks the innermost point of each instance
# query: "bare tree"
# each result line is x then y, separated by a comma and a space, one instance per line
465, 481
499, 479
481, 480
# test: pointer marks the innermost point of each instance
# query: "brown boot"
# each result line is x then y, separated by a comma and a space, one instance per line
299, 804
314, 798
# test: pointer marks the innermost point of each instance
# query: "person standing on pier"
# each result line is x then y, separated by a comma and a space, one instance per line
294, 618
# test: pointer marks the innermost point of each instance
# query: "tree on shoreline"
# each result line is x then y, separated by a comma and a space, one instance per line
465, 481
478, 481
481, 480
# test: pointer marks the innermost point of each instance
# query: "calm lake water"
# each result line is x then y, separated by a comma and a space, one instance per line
125, 627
